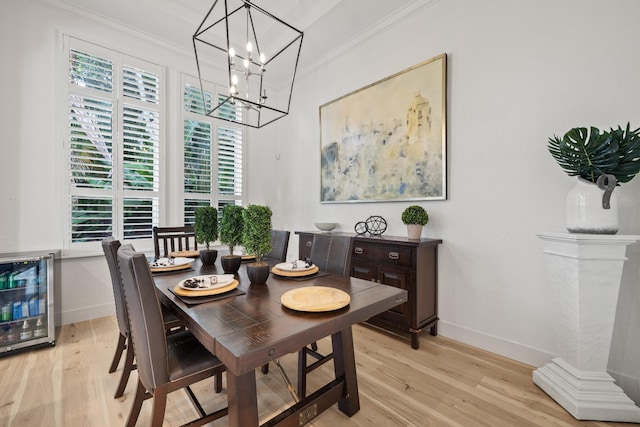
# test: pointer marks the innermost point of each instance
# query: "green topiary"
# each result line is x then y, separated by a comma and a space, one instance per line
206, 225
415, 214
231, 226
256, 236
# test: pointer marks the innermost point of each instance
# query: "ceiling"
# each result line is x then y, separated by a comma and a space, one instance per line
326, 24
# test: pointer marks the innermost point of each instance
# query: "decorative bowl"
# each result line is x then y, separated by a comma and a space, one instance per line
325, 226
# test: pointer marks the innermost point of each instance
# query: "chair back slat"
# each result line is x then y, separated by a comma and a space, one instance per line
173, 239
145, 318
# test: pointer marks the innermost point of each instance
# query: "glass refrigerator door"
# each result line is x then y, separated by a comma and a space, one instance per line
26, 317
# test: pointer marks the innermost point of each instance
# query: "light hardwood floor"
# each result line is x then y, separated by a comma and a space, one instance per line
445, 383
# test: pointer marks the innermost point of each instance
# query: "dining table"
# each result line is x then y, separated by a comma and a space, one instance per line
250, 327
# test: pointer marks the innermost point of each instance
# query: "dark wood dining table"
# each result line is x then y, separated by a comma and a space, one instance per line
250, 330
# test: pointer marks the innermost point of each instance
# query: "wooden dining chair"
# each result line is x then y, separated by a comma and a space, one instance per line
173, 239
279, 246
110, 247
166, 363
333, 254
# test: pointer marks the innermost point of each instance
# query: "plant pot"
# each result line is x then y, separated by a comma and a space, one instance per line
258, 273
208, 256
231, 263
414, 231
587, 212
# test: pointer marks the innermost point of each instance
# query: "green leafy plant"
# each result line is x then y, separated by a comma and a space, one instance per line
589, 153
256, 235
415, 214
231, 226
206, 225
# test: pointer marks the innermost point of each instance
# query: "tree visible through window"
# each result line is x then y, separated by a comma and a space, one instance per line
113, 140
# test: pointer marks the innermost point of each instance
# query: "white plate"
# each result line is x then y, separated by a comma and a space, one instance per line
164, 262
288, 266
222, 280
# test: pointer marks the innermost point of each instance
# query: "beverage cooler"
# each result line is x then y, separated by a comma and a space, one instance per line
26, 300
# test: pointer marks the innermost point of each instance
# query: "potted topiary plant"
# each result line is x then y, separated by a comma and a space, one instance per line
601, 161
206, 227
231, 227
415, 217
256, 238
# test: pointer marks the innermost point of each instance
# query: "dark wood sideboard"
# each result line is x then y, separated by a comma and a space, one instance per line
400, 262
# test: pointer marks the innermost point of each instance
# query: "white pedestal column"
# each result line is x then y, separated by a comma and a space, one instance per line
585, 270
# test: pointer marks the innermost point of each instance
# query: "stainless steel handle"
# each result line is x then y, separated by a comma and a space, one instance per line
394, 255
358, 250
309, 243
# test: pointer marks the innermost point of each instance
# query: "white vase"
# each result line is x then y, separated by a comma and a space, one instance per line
414, 231
586, 212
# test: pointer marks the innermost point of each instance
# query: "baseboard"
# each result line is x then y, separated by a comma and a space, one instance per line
86, 313
629, 383
512, 350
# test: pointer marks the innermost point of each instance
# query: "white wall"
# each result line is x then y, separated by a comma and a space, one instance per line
519, 72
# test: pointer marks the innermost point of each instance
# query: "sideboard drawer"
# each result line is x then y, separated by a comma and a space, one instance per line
397, 255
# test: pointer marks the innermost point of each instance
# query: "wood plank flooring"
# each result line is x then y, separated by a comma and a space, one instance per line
444, 383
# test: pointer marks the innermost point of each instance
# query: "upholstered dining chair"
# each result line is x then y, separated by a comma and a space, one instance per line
279, 245
333, 254
110, 247
166, 363
173, 239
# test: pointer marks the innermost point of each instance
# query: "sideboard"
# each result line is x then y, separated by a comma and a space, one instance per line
401, 262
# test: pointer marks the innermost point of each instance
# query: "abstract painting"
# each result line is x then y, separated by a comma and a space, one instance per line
387, 141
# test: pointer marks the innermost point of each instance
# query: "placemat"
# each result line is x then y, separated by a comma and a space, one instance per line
160, 273
313, 276
181, 267
283, 273
205, 292
208, 298
315, 299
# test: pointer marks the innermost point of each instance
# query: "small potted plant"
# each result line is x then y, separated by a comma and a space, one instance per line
601, 161
415, 217
206, 227
231, 227
256, 238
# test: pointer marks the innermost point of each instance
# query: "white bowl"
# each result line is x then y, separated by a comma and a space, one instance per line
325, 226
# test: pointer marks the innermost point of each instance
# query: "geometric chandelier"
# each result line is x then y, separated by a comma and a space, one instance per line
257, 54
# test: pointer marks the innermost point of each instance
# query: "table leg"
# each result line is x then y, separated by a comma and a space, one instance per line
242, 399
344, 363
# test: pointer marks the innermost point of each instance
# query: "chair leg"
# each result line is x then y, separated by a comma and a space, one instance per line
126, 371
265, 368
302, 373
136, 406
218, 382
159, 406
118, 354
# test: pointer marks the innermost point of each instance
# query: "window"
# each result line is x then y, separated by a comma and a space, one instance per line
113, 139
212, 154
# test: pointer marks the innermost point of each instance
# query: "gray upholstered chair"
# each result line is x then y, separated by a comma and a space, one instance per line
166, 363
173, 239
279, 246
171, 322
333, 254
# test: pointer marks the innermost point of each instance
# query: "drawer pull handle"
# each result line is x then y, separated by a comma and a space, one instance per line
358, 250
394, 255
309, 243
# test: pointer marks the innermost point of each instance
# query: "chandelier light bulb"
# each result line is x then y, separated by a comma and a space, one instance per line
246, 63
232, 52
249, 47
263, 58
234, 80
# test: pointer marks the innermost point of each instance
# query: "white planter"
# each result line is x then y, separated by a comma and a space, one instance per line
414, 231
585, 211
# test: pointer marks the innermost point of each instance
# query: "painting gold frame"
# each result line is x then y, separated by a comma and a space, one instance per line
387, 141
